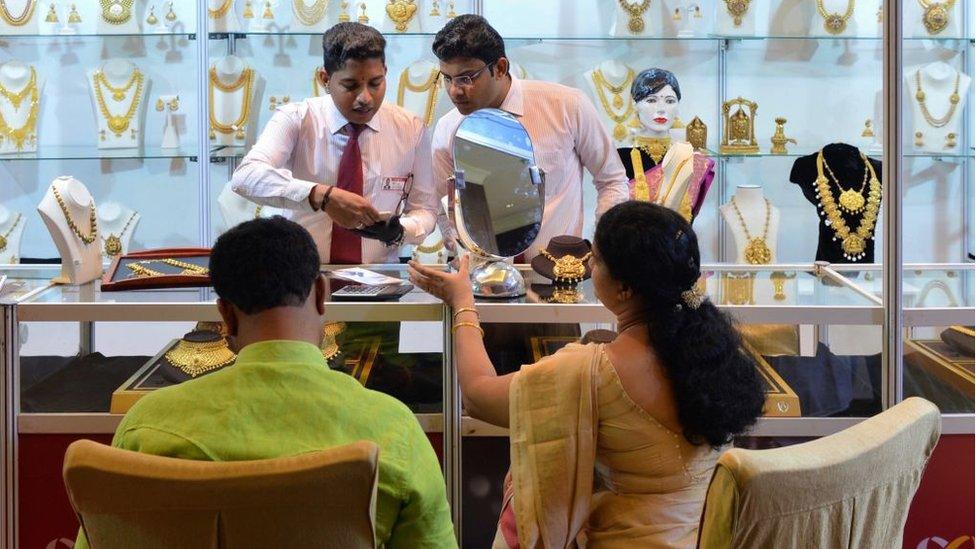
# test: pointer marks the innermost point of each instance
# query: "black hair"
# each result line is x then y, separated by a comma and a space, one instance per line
263, 264
716, 385
345, 41
652, 81
469, 36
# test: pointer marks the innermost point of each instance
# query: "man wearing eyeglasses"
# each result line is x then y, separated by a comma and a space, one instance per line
566, 131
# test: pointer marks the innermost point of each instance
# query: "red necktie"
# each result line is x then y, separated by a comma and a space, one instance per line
347, 246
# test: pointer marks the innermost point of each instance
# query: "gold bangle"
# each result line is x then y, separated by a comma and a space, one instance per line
471, 324
466, 310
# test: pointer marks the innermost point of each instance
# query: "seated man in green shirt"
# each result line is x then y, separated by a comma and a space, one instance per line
280, 398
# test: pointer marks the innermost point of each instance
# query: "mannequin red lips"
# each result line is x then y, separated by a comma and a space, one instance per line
661, 120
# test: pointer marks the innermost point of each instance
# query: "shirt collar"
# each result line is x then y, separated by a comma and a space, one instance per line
281, 351
335, 121
513, 102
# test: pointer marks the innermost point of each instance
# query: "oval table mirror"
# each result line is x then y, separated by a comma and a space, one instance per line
499, 196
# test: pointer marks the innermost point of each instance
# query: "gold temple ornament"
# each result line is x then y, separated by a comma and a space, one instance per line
113, 244
737, 8
779, 138
696, 133
567, 269
401, 12
853, 243
936, 15
635, 23
757, 251
739, 135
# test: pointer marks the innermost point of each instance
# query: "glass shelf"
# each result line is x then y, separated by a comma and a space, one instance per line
83, 152
245, 34
873, 154
188, 35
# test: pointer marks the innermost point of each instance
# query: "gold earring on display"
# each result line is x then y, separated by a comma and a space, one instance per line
160, 105
174, 104
52, 15
171, 15
151, 20
951, 141
363, 18
868, 130
248, 10
344, 12
677, 14
268, 14
73, 17
919, 142
435, 9
450, 10
698, 13
273, 103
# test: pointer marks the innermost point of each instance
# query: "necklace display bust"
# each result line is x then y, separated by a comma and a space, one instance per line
68, 211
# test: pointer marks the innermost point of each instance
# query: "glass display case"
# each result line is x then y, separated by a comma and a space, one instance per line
152, 105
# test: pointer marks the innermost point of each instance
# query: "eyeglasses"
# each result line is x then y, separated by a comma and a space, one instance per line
463, 81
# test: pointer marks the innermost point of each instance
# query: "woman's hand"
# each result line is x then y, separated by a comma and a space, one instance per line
453, 288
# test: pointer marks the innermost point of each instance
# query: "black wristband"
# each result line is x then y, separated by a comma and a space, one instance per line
325, 199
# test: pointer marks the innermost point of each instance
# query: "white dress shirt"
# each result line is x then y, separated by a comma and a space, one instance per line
301, 146
567, 135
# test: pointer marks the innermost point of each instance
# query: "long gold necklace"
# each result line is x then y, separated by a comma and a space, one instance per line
195, 358
310, 15
116, 12
568, 268
113, 244
737, 8
835, 23
636, 13
851, 201
18, 20
120, 123
401, 12
92, 219
619, 120
757, 251
853, 244
429, 86
936, 16
237, 127
26, 132
221, 10
10, 231
920, 98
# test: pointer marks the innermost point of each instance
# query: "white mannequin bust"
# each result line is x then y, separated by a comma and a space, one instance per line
15, 76
117, 8
618, 74
651, 20
421, 73
938, 82
310, 15
914, 15
11, 230
80, 262
117, 224
171, 108
227, 22
229, 106
119, 73
413, 25
235, 209
833, 7
752, 205
678, 166
727, 24
25, 13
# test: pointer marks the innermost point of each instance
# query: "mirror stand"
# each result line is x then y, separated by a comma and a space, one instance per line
497, 279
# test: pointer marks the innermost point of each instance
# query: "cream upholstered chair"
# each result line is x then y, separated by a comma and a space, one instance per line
128, 499
849, 489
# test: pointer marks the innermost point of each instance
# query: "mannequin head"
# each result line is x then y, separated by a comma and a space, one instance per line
657, 96
469, 49
354, 70
267, 279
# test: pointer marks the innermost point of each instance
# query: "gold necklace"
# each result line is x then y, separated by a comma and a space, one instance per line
430, 86
237, 127
221, 10
310, 15
116, 12
936, 17
433, 248
737, 8
118, 124
329, 346
92, 219
835, 23
26, 132
194, 358
920, 98
757, 251
851, 201
10, 231
401, 12
636, 13
113, 244
655, 147
674, 179
853, 244
19, 20
601, 84
568, 268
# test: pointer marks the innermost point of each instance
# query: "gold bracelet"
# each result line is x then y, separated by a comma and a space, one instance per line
466, 310
471, 324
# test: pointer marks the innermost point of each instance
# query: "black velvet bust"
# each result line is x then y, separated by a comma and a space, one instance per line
624, 153
845, 161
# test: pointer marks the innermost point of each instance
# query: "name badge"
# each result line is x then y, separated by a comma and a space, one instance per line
394, 183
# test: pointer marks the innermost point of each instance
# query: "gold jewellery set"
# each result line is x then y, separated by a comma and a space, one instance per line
4, 238
118, 123
52, 15
567, 269
195, 358
27, 132
92, 219
757, 251
245, 81
933, 121
612, 106
429, 86
636, 13
853, 243
113, 244
140, 269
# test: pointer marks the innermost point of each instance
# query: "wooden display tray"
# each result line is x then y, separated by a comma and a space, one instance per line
942, 361
781, 400
115, 281
140, 383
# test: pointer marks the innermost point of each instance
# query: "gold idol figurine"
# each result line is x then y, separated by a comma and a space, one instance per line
696, 133
739, 135
779, 138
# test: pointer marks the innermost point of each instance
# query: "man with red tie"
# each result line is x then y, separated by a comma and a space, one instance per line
344, 164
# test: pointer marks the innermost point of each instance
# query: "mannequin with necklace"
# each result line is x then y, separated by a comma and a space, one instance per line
68, 211
11, 230
117, 223
419, 89
754, 224
117, 17
221, 16
736, 17
235, 209
609, 83
19, 17
20, 107
232, 86
118, 90
938, 95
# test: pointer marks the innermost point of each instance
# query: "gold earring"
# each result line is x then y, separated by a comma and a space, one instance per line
286, 99
273, 102
677, 14
52, 15
698, 13
248, 10
240, 134
919, 142
344, 12
73, 16
363, 18
174, 104
268, 14
868, 130
450, 10
152, 16
171, 15
951, 141
435, 9
160, 105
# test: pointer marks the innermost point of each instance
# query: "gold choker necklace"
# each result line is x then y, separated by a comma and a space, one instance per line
196, 358
757, 251
17, 20
92, 219
10, 231
853, 244
429, 86
28, 131
567, 269
118, 123
835, 23
655, 147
